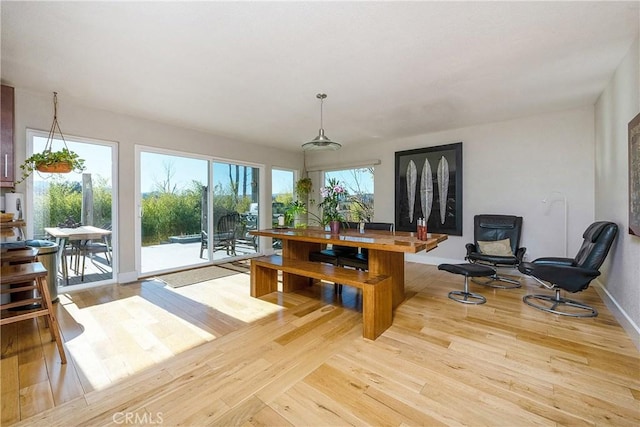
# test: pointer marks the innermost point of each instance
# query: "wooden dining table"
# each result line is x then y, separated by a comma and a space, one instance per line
386, 250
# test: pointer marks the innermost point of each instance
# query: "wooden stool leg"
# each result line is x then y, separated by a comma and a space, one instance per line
53, 322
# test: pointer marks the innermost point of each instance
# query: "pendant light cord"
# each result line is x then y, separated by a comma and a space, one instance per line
321, 97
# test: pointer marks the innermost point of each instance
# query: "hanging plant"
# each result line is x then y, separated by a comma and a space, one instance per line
303, 187
49, 161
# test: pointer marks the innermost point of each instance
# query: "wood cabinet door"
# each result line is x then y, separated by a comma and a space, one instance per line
6, 138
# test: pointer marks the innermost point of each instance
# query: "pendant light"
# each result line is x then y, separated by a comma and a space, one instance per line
321, 142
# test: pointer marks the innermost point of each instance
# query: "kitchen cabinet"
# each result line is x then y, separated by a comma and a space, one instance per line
7, 168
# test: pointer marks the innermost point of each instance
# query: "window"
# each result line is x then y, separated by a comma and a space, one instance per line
281, 192
282, 182
87, 198
359, 185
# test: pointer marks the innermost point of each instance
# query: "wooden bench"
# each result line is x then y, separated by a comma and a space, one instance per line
376, 289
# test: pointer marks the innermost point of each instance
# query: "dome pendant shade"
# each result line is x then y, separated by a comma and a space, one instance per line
321, 142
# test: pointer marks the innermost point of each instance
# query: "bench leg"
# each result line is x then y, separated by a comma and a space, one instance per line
263, 280
377, 308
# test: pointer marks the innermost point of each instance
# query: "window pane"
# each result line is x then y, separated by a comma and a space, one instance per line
359, 185
281, 197
173, 219
71, 199
235, 209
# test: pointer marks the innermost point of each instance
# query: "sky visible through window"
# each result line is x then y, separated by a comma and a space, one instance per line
184, 170
97, 158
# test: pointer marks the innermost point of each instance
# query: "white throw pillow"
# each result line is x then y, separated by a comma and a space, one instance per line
496, 247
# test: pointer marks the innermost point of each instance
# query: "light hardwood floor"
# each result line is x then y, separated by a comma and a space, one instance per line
208, 354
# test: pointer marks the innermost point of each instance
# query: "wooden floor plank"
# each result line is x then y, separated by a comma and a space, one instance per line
209, 354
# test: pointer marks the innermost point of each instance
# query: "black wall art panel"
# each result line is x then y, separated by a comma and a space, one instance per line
429, 185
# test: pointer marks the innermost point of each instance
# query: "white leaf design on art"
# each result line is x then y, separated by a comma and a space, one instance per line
443, 186
426, 189
411, 187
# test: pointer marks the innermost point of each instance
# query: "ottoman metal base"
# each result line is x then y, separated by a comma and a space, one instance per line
467, 297
467, 270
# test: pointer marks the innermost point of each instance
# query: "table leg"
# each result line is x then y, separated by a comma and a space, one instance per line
390, 264
62, 260
296, 250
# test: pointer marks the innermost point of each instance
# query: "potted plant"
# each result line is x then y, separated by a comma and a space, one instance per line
63, 161
297, 210
332, 195
303, 187
49, 161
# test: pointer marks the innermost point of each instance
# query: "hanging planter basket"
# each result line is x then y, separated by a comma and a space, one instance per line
62, 167
49, 161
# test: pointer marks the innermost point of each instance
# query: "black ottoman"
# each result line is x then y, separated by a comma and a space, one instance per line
467, 270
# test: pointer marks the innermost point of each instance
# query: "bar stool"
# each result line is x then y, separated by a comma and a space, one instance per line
30, 276
467, 270
18, 256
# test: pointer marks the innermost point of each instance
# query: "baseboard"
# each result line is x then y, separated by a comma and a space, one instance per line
430, 260
127, 277
422, 259
621, 316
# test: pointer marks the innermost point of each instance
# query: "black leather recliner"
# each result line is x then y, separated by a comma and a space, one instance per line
494, 228
571, 274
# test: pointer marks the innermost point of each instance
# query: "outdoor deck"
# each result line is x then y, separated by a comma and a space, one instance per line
161, 257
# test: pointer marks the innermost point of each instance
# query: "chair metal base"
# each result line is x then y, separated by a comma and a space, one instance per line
467, 297
489, 281
556, 301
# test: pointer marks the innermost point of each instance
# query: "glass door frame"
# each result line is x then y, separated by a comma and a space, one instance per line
210, 226
30, 135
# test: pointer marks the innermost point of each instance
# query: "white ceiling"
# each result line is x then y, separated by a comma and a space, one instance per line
251, 70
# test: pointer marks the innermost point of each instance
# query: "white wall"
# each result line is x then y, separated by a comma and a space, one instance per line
618, 104
35, 111
508, 168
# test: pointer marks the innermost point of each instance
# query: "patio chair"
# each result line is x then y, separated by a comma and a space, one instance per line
93, 247
224, 236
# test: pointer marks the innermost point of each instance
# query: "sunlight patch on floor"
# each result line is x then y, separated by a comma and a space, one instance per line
230, 295
119, 338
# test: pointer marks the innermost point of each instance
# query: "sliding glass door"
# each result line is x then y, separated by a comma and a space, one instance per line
235, 209
194, 211
173, 222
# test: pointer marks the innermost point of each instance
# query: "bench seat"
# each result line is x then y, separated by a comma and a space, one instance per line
376, 288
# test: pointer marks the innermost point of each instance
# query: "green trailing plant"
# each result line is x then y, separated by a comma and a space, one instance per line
296, 208
303, 187
48, 159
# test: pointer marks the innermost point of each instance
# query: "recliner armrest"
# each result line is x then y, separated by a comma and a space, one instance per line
554, 261
571, 279
520, 253
471, 248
